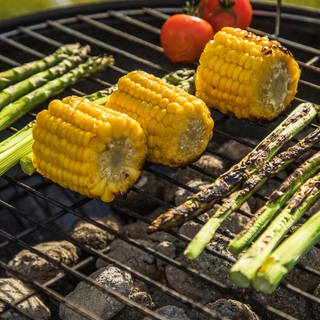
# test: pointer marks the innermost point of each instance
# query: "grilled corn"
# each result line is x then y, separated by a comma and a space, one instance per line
246, 75
88, 148
178, 125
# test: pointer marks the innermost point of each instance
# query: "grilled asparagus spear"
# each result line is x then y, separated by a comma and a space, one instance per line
21, 88
254, 182
222, 186
15, 147
17, 109
26, 164
277, 199
244, 270
19, 73
283, 259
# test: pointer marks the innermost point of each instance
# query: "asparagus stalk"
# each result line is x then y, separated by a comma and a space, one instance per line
17, 109
277, 199
21, 88
27, 165
17, 74
15, 147
101, 97
244, 270
183, 78
222, 186
284, 258
254, 182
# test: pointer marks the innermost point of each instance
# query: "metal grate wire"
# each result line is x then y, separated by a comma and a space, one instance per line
35, 41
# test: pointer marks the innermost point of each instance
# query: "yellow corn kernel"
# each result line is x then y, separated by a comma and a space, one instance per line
88, 148
177, 124
253, 73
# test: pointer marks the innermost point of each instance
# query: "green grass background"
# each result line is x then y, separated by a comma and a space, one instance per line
11, 8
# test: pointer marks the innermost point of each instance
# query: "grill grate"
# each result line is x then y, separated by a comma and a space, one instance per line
135, 33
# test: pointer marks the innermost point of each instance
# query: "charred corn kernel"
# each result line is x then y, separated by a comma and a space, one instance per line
178, 125
87, 148
258, 75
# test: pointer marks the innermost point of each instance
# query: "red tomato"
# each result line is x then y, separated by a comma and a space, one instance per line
183, 37
226, 13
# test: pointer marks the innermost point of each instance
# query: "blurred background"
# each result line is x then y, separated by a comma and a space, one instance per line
12, 8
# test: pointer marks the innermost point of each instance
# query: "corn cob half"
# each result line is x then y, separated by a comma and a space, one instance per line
88, 148
246, 75
178, 125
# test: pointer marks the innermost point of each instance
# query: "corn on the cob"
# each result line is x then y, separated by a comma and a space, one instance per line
178, 125
246, 75
88, 148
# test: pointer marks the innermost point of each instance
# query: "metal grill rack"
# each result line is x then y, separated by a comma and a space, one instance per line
130, 32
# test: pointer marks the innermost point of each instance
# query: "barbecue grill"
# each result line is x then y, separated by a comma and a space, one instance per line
34, 210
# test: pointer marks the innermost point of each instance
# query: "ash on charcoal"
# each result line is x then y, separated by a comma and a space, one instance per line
99, 303
140, 296
316, 306
132, 256
236, 221
13, 290
233, 150
209, 163
208, 264
231, 310
93, 236
34, 267
140, 203
171, 312
136, 230
286, 301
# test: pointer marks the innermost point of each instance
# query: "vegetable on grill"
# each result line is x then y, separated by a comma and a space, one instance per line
183, 37
15, 147
181, 78
227, 182
18, 108
21, 88
244, 270
19, 73
284, 258
226, 13
252, 184
178, 125
26, 164
88, 148
246, 75
276, 200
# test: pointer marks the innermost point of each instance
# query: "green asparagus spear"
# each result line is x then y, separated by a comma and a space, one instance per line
277, 199
284, 258
254, 182
27, 165
15, 147
183, 78
265, 150
101, 97
17, 109
21, 88
244, 270
17, 74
